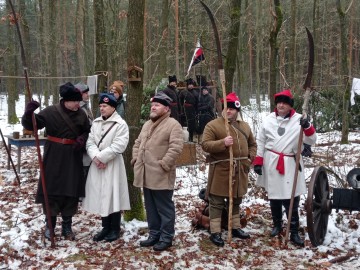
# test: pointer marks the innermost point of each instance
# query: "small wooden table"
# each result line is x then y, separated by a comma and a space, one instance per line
21, 142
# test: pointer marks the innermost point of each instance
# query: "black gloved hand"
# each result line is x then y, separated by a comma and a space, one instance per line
306, 152
258, 169
304, 123
80, 143
31, 107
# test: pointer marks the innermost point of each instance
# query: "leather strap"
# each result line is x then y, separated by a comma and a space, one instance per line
67, 120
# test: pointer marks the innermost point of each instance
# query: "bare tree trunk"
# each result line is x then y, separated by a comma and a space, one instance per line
292, 53
79, 30
177, 38
134, 100
53, 33
164, 38
345, 73
231, 57
258, 48
10, 69
274, 51
101, 51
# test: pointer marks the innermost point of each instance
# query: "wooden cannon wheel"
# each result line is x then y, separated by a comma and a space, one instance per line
318, 205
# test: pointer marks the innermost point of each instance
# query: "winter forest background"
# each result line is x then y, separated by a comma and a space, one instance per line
264, 50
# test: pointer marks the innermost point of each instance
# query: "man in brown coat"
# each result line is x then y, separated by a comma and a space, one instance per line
154, 154
216, 142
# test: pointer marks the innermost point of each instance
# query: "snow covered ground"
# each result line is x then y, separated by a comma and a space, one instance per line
22, 245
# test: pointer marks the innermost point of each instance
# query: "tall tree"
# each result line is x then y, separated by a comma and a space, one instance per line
135, 50
232, 49
10, 68
101, 50
164, 28
345, 71
79, 32
258, 49
274, 50
53, 49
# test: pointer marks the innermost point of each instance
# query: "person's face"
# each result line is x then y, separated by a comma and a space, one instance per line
106, 110
231, 114
85, 96
173, 84
72, 105
190, 86
205, 92
115, 92
283, 108
157, 110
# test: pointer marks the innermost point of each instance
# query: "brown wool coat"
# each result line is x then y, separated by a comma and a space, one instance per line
155, 152
244, 147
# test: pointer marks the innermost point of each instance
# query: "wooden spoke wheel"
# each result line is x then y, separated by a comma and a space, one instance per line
318, 206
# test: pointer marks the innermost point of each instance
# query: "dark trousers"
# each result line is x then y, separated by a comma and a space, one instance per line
276, 212
160, 212
67, 206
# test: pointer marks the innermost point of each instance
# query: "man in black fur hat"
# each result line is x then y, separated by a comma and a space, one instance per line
171, 91
188, 103
67, 128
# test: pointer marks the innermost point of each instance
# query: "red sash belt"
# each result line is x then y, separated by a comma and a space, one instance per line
60, 140
188, 105
281, 165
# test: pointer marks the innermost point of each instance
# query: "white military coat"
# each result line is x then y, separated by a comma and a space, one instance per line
106, 189
269, 146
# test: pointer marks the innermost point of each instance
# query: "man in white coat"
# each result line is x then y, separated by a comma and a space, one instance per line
106, 192
277, 142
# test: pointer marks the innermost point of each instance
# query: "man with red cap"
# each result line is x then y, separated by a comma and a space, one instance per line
275, 164
216, 142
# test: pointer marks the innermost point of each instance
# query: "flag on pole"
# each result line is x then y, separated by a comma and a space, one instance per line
197, 57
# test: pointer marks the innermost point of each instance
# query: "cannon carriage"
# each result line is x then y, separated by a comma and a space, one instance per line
322, 198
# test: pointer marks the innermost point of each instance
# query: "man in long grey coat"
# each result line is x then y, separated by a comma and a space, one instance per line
154, 154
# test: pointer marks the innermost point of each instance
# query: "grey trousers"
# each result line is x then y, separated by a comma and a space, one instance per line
160, 212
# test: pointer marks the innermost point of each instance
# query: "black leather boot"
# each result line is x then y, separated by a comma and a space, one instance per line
294, 223
239, 233
216, 239
114, 233
149, 242
105, 222
276, 213
66, 231
296, 240
47, 229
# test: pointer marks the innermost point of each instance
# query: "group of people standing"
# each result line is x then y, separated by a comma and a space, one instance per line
74, 135
193, 106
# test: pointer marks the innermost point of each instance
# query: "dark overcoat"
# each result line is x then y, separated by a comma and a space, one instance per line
174, 105
63, 168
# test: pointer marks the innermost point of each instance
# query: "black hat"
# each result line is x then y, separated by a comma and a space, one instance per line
68, 92
162, 98
190, 81
284, 96
108, 99
172, 79
82, 87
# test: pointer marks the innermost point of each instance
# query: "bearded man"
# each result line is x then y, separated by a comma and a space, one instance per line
154, 154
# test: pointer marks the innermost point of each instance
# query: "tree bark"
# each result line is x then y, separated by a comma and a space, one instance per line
135, 50
274, 51
164, 28
345, 73
231, 56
